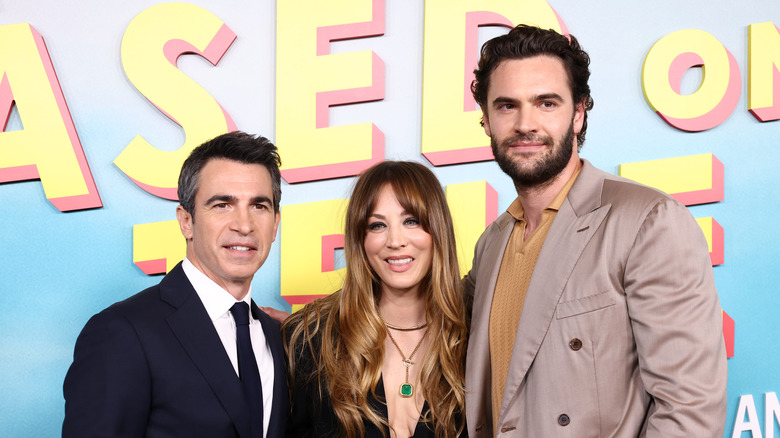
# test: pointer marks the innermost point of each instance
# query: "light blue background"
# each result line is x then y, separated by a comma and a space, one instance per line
57, 269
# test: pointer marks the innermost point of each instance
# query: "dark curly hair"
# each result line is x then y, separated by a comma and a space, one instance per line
528, 41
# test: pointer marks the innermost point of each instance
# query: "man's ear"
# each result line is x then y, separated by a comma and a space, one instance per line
185, 222
277, 218
486, 123
579, 116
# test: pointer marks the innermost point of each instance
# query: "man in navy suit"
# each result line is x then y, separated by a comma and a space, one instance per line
164, 362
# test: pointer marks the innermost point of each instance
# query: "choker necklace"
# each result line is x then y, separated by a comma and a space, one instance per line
405, 329
406, 389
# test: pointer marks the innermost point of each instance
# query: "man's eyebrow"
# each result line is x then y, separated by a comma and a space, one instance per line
548, 96
544, 96
233, 199
220, 198
503, 99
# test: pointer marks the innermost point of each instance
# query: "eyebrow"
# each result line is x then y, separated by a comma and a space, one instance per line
233, 199
381, 216
545, 96
220, 198
261, 200
549, 96
503, 99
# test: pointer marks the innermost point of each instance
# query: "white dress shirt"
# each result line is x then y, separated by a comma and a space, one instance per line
218, 302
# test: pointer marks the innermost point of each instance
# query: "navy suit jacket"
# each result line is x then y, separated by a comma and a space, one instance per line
154, 366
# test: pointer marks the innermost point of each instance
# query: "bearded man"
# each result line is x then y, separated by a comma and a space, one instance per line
595, 312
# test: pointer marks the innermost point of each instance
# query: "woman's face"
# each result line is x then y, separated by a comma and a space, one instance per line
398, 248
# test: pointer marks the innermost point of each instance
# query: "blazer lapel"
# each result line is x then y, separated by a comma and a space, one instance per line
577, 221
192, 326
490, 263
478, 357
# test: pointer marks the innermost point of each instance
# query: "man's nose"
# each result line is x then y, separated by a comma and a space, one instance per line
526, 121
242, 221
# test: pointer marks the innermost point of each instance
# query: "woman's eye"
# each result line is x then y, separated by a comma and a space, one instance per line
412, 221
373, 226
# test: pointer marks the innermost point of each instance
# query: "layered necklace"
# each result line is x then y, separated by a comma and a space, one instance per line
406, 389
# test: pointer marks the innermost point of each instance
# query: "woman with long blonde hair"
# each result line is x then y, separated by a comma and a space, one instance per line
384, 356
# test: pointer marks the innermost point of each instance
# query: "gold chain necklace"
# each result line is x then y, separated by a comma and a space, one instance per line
406, 389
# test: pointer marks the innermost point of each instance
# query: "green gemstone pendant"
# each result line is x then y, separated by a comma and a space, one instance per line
406, 390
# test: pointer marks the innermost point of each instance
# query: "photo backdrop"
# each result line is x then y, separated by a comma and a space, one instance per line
101, 102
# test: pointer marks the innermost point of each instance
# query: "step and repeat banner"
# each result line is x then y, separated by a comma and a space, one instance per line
100, 102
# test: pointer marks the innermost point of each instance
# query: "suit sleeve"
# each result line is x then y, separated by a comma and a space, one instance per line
676, 319
468, 284
469, 281
107, 388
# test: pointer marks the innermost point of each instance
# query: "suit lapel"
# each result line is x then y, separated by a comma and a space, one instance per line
192, 326
478, 357
577, 221
490, 263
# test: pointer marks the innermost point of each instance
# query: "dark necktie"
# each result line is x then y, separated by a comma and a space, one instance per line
247, 368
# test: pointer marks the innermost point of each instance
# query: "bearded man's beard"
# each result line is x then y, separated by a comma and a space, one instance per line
542, 171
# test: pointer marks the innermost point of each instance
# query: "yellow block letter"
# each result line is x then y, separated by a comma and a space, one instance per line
692, 179
308, 248
151, 45
309, 80
474, 206
158, 246
764, 71
663, 70
48, 148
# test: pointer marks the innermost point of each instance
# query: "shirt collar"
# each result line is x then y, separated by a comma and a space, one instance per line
216, 300
516, 208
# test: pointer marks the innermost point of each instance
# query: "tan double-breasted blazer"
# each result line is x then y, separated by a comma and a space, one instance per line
621, 330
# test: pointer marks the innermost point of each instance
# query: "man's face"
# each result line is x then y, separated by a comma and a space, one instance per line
532, 120
234, 223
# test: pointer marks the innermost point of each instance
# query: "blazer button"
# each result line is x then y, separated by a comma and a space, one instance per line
564, 420
575, 344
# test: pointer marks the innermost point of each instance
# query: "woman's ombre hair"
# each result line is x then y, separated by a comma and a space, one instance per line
344, 332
